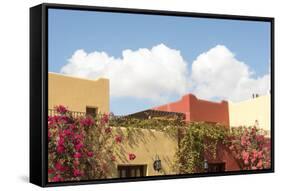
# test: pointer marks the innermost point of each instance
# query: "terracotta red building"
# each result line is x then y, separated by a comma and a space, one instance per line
199, 110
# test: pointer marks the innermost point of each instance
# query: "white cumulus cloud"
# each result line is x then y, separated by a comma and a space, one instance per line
161, 72
155, 74
218, 74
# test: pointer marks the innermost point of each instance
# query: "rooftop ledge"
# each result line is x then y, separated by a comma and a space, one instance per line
75, 77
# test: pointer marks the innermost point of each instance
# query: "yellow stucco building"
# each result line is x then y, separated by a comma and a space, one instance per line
81, 95
148, 146
251, 112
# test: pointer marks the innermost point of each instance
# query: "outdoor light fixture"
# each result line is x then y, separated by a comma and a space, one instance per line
206, 166
157, 164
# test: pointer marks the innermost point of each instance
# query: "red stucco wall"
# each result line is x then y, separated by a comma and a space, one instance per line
205, 111
199, 110
223, 155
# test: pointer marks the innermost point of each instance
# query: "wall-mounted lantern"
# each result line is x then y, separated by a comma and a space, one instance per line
206, 166
157, 163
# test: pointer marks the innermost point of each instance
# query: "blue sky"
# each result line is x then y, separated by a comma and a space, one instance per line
70, 30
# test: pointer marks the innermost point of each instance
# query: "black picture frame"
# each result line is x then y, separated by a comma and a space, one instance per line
39, 90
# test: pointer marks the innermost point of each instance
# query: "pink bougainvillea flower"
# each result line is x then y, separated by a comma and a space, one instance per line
63, 119
61, 141
52, 121
78, 137
76, 163
69, 136
254, 154
61, 109
77, 172
77, 155
86, 122
245, 155
260, 164
267, 164
113, 158
73, 127
132, 156
57, 178
260, 155
254, 168
253, 160
49, 135
78, 146
90, 154
260, 139
118, 138
67, 132
60, 149
243, 141
60, 167
107, 130
50, 171
104, 119
251, 149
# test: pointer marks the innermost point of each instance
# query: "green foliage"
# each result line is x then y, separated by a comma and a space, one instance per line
84, 148
196, 140
164, 125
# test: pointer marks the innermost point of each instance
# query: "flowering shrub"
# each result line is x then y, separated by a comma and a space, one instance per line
118, 138
250, 147
79, 148
132, 156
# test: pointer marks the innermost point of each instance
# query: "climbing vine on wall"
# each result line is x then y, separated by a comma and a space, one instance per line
196, 140
131, 125
248, 145
79, 144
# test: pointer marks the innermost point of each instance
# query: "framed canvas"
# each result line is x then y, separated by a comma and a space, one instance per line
121, 95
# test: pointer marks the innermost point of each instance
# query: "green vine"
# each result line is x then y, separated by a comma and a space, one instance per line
195, 139
164, 125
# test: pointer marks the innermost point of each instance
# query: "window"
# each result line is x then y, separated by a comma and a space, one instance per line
93, 111
216, 167
125, 171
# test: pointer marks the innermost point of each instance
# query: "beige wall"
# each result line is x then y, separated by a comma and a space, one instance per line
245, 113
145, 144
77, 93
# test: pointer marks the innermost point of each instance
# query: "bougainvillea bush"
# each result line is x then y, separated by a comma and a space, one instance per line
250, 147
79, 148
85, 148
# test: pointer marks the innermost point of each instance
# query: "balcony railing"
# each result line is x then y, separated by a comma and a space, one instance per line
75, 114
